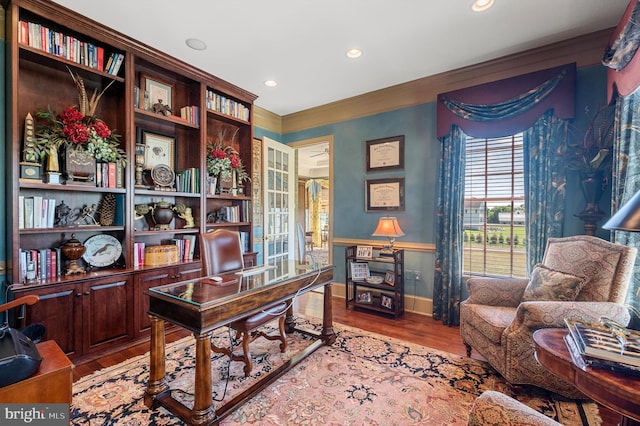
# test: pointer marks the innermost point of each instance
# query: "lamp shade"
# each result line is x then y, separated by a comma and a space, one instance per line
627, 218
388, 227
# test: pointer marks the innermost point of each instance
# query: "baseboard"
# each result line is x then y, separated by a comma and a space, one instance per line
414, 304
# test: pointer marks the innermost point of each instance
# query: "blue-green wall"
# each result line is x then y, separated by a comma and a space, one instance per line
3, 143
417, 124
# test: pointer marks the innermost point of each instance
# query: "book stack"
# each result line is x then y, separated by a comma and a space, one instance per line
224, 105
603, 345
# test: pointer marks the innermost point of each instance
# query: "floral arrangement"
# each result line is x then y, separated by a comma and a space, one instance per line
223, 160
78, 127
72, 128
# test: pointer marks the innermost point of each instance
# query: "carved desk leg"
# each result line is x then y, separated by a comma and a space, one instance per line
328, 335
203, 413
157, 383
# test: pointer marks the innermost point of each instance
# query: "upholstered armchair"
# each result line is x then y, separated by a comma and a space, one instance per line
581, 277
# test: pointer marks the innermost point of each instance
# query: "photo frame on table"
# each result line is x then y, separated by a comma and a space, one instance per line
364, 252
386, 302
157, 90
385, 154
390, 278
384, 194
359, 271
159, 148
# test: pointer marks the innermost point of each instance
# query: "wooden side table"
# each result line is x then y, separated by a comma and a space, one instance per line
616, 391
51, 384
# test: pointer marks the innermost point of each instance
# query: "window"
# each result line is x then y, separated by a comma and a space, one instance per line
494, 217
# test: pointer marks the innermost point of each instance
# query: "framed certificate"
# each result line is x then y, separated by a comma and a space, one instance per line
384, 194
385, 154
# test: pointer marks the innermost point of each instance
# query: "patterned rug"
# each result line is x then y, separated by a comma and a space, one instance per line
362, 379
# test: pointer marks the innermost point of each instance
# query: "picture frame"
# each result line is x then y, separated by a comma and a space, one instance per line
364, 297
390, 278
364, 252
386, 302
159, 148
359, 271
384, 194
385, 154
156, 89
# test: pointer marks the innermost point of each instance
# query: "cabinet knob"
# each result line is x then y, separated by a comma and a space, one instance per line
78, 294
86, 293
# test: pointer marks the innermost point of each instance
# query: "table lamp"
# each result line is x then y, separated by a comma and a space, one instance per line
388, 227
627, 218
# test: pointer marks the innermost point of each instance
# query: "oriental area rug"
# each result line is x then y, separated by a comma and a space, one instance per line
362, 379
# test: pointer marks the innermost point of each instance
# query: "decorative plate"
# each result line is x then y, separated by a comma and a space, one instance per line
163, 175
374, 280
102, 250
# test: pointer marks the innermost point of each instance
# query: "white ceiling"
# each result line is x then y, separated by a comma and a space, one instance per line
302, 43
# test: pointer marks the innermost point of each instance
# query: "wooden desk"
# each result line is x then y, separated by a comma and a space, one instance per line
617, 391
202, 306
51, 384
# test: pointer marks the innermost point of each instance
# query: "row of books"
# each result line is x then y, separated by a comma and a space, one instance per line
109, 175
45, 263
36, 212
604, 345
188, 180
236, 213
65, 46
114, 63
244, 241
219, 103
191, 113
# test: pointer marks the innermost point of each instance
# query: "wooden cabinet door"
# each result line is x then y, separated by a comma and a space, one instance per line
58, 310
188, 272
107, 311
144, 281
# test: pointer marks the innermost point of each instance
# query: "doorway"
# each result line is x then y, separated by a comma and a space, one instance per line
314, 195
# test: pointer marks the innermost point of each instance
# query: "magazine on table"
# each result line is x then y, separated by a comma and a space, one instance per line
582, 361
614, 343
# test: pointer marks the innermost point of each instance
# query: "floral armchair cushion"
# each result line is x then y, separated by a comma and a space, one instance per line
548, 284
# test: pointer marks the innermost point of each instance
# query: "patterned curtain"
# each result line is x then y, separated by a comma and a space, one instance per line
447, 288
626, 179
544, 184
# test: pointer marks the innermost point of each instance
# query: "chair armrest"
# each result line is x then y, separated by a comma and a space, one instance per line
535, 315
496, 291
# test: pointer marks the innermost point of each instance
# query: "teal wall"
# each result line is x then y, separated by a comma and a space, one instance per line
3, 153
422, 150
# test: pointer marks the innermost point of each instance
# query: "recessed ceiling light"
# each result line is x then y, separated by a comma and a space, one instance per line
354, 53
481, 5
196, 44
270, 83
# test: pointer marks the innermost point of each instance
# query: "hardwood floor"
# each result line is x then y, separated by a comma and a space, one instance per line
419, 329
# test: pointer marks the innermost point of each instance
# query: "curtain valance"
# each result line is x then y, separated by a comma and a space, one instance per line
508, 106
623, 74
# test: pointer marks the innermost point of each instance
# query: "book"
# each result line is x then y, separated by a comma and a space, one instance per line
582, 361
598, 341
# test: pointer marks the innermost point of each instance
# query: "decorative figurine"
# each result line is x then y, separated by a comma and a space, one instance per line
185, 214
30, 164
63, 215
160, 108
86, 215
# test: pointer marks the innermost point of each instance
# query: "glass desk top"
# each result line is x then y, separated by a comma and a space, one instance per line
203, 291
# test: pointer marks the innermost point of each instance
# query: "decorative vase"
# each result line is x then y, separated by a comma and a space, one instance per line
592, 185
162, 214
73, 250
213, 185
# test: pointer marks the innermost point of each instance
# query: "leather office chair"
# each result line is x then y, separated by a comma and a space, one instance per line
221, 252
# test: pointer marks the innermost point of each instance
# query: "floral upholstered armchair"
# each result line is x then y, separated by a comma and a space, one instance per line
581, 277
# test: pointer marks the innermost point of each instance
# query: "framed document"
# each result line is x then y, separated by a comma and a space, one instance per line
364, 251
384, 194
385, 154
160, 149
